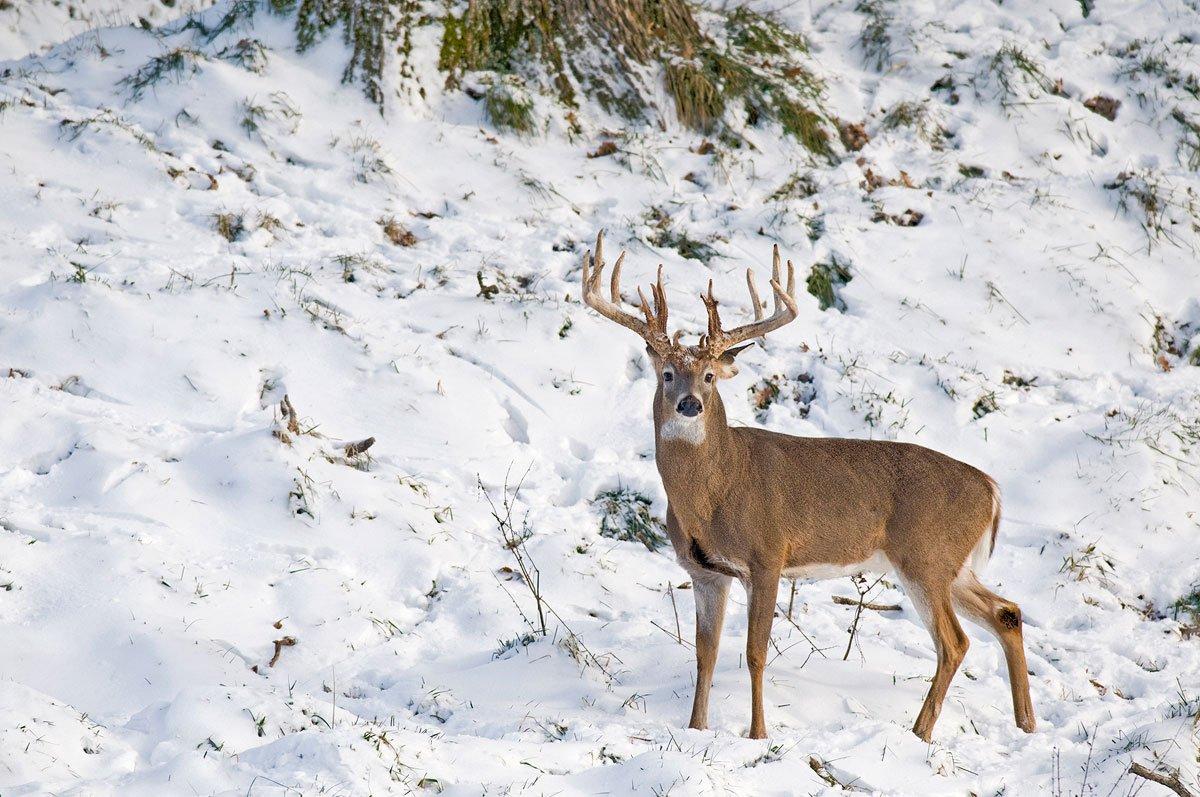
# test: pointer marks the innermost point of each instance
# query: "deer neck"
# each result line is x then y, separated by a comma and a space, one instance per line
698, 460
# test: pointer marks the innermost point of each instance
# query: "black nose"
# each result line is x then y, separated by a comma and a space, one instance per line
690, 406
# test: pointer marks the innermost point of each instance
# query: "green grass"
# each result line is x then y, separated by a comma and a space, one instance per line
1019, 77
509, 107
625, 515
176, 65
876, 36
823, 281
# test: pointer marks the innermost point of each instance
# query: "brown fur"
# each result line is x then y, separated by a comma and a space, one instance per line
749, 504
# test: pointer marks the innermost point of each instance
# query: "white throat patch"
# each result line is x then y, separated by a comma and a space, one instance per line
683, 429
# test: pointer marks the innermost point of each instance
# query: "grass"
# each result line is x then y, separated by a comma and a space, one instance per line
1189, 143
396, 232
370, 161
373, 30
625, 515
1160, 208
921, 118
748, 72
352, 263
797, 186
876, 36
773, 389
249, 54
106, 118
666, 235
277, 110
1154, 60
507, 646
1019, 77
1089, 564
823, 281
177, 64
229, 226
984, 405
509, 107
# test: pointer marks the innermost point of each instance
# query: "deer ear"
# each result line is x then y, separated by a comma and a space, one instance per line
725, 364
728, 356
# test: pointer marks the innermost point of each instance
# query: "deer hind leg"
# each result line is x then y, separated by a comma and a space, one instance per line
937, 610
763, 591
1003, 618
711, 591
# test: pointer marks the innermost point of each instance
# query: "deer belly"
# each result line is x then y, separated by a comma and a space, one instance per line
820, 571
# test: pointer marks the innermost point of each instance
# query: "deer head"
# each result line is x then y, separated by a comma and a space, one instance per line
687, 375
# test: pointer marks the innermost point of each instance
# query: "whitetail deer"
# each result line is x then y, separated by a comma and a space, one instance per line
757, 505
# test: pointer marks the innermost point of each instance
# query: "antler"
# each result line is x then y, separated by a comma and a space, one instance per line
654, 328
717, 341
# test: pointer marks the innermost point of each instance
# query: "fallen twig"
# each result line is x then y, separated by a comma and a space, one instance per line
680, 640
879, 607
1171, 781
280, 644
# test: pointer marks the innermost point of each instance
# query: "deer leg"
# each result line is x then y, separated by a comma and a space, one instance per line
763, 591
711, 591
951, 643
1003, 618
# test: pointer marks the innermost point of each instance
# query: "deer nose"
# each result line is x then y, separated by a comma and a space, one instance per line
690, 406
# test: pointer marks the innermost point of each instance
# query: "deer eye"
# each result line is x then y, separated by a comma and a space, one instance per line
668, 376
708, 377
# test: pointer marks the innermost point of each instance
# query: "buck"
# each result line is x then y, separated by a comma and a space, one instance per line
758, 506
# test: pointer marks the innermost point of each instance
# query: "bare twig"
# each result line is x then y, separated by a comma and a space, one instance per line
812, 645
515, 542
280, 644
879, 607
859, 583
674, 608
1171, 781
676, 637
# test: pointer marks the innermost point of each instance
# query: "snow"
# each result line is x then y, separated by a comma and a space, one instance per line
157, 535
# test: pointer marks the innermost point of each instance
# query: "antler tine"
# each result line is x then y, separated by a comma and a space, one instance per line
754, 300
660, 300
614, 285
652, 329
717, 341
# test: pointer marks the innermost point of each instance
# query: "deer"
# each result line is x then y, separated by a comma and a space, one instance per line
755, 505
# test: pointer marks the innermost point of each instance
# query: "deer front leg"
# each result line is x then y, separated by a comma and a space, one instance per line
763, 591
711, 591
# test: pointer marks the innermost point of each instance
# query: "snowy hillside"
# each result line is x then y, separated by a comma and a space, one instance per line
203, 594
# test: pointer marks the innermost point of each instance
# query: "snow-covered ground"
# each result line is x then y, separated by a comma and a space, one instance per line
176, 259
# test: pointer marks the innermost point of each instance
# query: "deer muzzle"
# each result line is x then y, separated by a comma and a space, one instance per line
689, 406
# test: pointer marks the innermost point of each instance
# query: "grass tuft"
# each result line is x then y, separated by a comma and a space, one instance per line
625, 515
509, 107
876, 36
1018, 76
666, 235
229, 226
823, 281
1161, 209
177, 64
